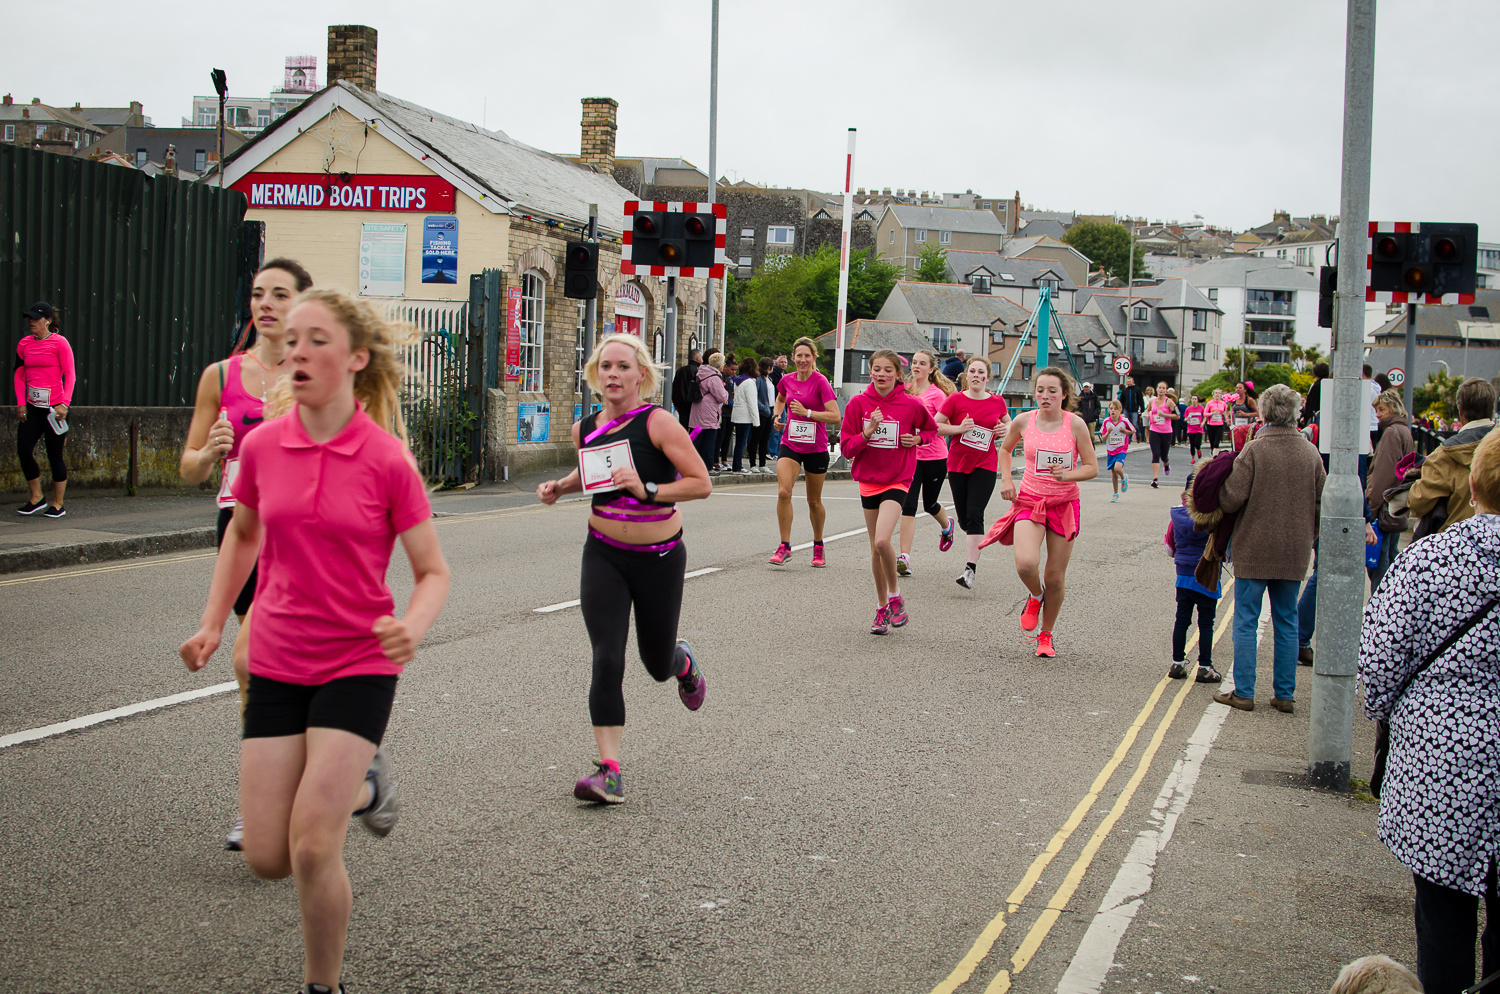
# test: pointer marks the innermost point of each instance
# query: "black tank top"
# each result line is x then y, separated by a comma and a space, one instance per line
651, 463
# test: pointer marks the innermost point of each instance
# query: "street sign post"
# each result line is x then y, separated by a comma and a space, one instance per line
1396, 375
1122, 365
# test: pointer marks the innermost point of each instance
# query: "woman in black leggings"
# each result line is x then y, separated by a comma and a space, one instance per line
44, 391
637, 461
972, 419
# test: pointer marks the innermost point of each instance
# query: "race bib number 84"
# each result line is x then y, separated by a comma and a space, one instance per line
887, 435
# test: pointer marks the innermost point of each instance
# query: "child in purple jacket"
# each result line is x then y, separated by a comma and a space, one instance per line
1186, 544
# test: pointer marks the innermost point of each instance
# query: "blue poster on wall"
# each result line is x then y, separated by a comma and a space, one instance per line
440, 249
533, 422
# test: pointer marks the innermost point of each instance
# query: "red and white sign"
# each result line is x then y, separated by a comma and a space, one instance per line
1122, 365
362, 192
630, 301
513, 333
1402, 296
721, 215
1396, 375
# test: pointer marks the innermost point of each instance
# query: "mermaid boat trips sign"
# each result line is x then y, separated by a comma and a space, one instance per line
323, 191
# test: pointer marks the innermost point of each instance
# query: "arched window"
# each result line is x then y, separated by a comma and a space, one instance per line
579, 359
702, 335
533, 322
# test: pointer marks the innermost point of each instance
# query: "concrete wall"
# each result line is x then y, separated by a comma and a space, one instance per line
98, 449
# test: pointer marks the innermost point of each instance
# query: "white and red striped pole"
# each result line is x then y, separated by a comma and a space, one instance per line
838, 338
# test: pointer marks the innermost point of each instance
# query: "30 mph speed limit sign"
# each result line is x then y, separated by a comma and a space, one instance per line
1396, 375
1122, 365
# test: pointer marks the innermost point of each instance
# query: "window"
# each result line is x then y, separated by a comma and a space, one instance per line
1138, 313
1199, 351
1304, 257
1050, 284
944, 237
1200, 320
140, 157
988, 205
1213, 294
702, 323
1269, 302
1161, 346
1137, 349
942, 339
893, 237
1281, 253
41, 131
1426, 341
1026, 368
996, 370
533, 321
578, 357
10, 132
200, 160
262, 118
864, 365
659, 348
747, 233
1089, 358
981, 284
776, 235
921, 232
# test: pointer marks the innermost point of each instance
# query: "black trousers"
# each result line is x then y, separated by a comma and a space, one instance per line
1215, 437
1161, 447
33, 429
926, 485
1207, 608
971, 495
1446, 922
726, 432
760, 441
1195, 444
613, 580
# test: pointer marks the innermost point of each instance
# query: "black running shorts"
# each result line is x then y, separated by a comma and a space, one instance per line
873, 502
812, 463
357, 704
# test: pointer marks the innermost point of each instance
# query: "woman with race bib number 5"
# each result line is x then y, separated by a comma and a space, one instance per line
637, 461
1059, 454
976, 416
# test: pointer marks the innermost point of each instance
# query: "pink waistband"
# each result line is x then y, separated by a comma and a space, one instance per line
666, 546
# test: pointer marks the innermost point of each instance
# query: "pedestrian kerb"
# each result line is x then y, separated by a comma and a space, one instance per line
98, 449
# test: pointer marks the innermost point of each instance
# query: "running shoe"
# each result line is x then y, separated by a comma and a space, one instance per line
966, 579
603, 786
1032, 614
54, 512
945, 538
1044, 644
384, 808
1115, 499
1178, 671
1155, 485
782, 554
817, 559
1207, 674
903, 565
1166, 468
882, 623
319, 989
692, 687
1124, 483
32, 508
235, 840
897, 608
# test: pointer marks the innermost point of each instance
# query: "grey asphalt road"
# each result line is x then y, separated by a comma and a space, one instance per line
846, 813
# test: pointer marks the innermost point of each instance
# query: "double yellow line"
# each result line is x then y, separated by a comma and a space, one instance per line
1069, 886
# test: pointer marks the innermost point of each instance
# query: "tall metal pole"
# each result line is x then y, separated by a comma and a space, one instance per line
1129, 285
589, 310
1408, 389
671, 330
713, 170
1341, 541
838, 338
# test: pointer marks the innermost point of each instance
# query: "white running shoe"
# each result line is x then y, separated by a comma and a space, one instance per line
235, 840
966, 579
381, 813
903, 565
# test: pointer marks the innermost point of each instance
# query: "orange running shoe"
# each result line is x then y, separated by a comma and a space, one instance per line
1032, 614
1044, 644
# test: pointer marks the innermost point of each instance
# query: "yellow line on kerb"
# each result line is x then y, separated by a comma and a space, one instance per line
105, 569
991, 932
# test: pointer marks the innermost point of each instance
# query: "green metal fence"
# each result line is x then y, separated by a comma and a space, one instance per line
142, 270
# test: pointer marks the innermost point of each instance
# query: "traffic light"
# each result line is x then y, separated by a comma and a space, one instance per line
581, 270
1427, 258
1328, 288
674, 239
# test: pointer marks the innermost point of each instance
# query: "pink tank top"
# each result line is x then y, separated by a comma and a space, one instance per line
245, 414
1046, 449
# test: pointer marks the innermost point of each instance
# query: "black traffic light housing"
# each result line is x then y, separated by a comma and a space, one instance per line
1328, 288
1435, 258
673, 238
581, 270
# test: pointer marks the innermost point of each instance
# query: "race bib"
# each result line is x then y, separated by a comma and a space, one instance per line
1195, 419
597, 465
226, 482
39, 396
887, 434
1047, 459
1216, 418
978, 438
805, 432
1115, 440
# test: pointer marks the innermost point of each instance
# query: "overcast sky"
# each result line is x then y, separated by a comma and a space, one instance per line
1165, 108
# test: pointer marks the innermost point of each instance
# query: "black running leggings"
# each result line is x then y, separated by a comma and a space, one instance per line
926, 485
1187, 600
1161, 446
1195, 444
34, 428
1215, 437
971, 495
612, 580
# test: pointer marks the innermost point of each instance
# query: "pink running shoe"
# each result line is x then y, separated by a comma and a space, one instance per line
882, 623
1044, 644
897, 608
1032, 613
818, 559
945, 538
782, 554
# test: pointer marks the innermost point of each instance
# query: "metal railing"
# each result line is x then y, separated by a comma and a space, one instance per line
1268, 307
437, 400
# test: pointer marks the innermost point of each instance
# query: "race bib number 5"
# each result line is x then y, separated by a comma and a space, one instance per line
804, 432
887, 435
1047, 460
596, 466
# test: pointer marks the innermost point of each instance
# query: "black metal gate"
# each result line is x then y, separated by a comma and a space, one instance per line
443, 411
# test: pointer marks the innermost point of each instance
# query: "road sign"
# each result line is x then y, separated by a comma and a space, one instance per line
1421, 262
1122, 365
1396, 375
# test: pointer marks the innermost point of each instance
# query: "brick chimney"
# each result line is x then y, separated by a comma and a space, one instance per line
9, 100
598, 146
351, 54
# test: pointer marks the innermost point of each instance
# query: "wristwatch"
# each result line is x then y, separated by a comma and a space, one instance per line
650, 493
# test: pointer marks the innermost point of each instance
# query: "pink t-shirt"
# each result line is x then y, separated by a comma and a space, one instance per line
1116, 428
813, 393
966, 453
331, 514
936, 447
1194, 418
44, 373
1215, 410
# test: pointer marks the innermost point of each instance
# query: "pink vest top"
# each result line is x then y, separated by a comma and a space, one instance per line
1047, 449
245, 414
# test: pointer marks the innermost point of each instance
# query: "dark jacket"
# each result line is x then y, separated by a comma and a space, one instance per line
953, 368
1088, 406
1186, 541
1132, 400
1395, 444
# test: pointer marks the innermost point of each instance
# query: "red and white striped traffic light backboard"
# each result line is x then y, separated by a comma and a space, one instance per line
1427, 262
673, 239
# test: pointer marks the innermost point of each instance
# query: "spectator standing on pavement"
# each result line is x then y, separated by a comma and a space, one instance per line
708, 409
1134, 402
1186, 544
1428, 661
726, 418
765, 399
1445, 475
779, 370
1395, 444
954, 365
682, 394
1376, 975
1276, 487
1372, 390
231, 401
323, 493
805, 406
1313, 405
1088, 407
44, 392
744, 411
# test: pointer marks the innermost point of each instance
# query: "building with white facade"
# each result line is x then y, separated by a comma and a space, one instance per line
1267, 304
249, 115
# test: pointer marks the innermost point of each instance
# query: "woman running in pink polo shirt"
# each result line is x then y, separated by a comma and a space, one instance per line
1059, 455
882, 428
323, 492
931, 388
638, 462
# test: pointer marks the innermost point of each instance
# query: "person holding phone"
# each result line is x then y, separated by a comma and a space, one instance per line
44, 391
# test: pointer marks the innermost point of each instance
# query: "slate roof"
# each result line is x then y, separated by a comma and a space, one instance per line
866, 335
1064, 217
1482, 319
1025, 271
948, 219
1110, 308
1253, 272
956, 304
1042, 226
1080, 328
106, 118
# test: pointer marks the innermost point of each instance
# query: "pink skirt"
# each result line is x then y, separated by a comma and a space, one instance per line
1058, 513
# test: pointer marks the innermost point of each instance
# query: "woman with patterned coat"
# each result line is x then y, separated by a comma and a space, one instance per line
1440, 803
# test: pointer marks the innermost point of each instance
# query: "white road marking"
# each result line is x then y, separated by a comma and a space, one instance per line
73, 724
773, 496
564, 605
831, 538
1096, 953
702, 572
